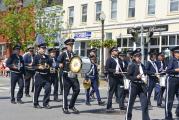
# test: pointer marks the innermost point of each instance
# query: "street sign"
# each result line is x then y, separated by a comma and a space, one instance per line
82, 35
158, 28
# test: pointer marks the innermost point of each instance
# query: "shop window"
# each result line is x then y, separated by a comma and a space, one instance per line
130, 42
124, 42
83, 47
119, 42
76, 48
164, 40
172, 40
154, 41
177, 39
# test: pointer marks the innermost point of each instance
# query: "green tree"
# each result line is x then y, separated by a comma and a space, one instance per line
48, 20
17, 23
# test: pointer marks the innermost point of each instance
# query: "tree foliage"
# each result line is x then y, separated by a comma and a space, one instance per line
17, 24
106, 43
48, 21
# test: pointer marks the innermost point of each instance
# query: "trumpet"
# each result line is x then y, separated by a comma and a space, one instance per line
44, 66
52, 70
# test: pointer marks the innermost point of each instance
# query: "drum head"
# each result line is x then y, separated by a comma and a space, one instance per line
75, 64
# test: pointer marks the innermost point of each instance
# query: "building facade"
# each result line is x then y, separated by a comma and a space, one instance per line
82, 22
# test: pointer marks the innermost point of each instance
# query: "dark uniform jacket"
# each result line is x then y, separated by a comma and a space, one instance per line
150, 69
133, 71
173, 64
41, 60
14, 60
161, 67
27, 60
65, 58
93, 73
53, 63
110, 67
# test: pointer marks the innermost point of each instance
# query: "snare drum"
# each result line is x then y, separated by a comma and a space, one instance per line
126, 83
162, 80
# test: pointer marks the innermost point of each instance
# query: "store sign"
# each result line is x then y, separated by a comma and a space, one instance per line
82, 35
158, 28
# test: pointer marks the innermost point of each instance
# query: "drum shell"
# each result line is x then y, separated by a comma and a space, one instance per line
162, 80
126, 83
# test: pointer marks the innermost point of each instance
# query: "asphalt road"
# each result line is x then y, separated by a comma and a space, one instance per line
26, 111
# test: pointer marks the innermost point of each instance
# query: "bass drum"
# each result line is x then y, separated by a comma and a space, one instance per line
80, 65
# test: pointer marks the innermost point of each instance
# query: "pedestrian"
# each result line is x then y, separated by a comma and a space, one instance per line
136, 74
29, 68
172, 82
42, 79
114, 69
70, 80
16, 64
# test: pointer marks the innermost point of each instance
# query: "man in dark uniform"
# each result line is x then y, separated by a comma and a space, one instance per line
54, 72
92, 75
16, 64
136, 74
152, 71
93, 54
115, 79
42, 79
61, 71
30, 71
70, 79
161, 68
122, 59
172, 82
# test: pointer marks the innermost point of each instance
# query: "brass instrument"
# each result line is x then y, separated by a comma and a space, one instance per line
86, 84
52, 70
44, 66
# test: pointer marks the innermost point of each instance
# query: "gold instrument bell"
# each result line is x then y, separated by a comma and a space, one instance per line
87, 84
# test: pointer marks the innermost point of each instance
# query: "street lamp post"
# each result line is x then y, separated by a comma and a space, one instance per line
102, 18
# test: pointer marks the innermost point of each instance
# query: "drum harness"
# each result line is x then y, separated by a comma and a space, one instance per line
70, 74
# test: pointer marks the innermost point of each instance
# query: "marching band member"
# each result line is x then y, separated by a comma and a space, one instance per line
16, 65
172, 82
30, 71
70, 79
42, 79
152, 71
161, 67
61, 71
122, 58
115, 78
93, 76
135, 73
93, 53
54, 72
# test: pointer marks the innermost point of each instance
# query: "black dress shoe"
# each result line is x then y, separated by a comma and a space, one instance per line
13, 101
27, 95
20, 102
57, 100
101, 103
65, 111
74, 110
109, 110
47, 107
123, 108
88, 103
37, 106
